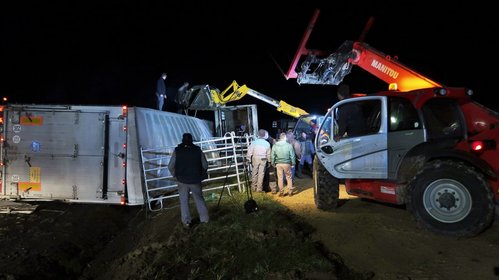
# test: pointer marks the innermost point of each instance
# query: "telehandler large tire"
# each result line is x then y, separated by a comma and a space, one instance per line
326, 188
450, 198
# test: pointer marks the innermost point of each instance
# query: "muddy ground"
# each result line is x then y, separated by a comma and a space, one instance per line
72, 241
384, 239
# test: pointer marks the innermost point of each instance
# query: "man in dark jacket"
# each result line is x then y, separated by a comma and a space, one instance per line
161, 91
188, 165
349, 116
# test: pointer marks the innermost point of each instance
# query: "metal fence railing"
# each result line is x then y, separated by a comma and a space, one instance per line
226, 158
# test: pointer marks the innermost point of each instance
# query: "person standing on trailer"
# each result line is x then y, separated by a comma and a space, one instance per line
161, 91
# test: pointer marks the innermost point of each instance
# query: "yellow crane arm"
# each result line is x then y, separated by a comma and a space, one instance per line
235, 92
290, 110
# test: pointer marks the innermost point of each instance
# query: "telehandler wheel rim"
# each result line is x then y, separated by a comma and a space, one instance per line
447, 201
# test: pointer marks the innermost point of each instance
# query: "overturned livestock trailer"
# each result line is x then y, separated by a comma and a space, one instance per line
88, 154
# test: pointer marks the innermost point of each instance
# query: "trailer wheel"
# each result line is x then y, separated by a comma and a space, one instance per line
326, 187
451, 198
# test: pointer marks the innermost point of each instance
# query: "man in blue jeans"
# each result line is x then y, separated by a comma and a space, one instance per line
283, 158
297, 149
307, 154
188, 165
161, 91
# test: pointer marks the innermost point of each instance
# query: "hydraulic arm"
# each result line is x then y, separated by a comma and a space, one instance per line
333, 68
235, 92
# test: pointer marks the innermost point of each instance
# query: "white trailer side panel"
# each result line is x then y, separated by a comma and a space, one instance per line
155, 129
85, 154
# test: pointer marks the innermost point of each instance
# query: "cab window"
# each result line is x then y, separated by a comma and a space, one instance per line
403, 116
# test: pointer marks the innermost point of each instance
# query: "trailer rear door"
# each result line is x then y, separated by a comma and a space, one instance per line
56, 154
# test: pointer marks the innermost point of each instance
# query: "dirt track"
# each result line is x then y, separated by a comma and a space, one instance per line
384, 239
370, 237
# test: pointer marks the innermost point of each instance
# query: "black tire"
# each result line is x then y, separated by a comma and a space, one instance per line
450, 198
326, 188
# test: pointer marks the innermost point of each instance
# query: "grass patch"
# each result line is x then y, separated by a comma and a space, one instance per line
271, 243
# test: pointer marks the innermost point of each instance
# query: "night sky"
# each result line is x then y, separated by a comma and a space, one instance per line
113, 53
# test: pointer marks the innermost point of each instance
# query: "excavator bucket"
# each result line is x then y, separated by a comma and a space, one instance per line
198, 97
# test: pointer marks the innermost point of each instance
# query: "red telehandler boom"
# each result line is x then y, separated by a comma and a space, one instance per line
424, 145
331, 70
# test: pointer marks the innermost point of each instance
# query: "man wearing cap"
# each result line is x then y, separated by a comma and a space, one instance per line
188, 165
259, 154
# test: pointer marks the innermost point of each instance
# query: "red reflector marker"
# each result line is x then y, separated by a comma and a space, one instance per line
477, 146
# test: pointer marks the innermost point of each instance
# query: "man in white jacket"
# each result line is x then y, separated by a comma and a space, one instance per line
258, 154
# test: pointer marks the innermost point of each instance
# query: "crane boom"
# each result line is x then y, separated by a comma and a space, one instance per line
388, 69
235, 92
302, 49
333, 68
